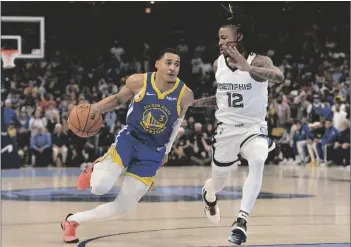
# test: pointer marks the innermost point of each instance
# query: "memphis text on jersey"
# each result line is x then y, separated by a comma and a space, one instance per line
231, 86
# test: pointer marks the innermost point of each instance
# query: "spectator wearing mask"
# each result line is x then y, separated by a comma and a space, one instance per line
40, 144
316, 109
283, 111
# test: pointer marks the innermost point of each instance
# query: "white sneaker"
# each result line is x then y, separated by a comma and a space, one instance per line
211, 208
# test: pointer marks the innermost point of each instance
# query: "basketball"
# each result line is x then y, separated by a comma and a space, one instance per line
85, 120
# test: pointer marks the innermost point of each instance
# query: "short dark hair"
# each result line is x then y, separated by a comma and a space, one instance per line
167, 50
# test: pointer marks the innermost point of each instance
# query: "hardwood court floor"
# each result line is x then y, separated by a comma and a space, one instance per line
296, 206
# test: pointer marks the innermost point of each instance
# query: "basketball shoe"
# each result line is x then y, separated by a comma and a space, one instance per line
238, 233
69, 231
211, 208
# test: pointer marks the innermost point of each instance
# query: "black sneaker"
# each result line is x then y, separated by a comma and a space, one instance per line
238, 233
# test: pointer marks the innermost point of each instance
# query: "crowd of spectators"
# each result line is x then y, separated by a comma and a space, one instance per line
307, 114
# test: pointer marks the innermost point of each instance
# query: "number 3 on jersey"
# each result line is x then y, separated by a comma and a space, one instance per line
235, 100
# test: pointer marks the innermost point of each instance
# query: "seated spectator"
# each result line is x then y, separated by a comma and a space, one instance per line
330, 137
342, 147
326, 111
339, 117
36, 122
283, 145
24, 137
52, 117
59, 145
314, 143
40, 145
301, 138
10, 115
316, 109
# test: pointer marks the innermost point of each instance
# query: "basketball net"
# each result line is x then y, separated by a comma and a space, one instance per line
8, 58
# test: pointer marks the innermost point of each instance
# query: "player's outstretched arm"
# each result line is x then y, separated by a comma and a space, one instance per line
205, 102
133, 85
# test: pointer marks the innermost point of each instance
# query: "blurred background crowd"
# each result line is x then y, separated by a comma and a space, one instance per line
87, 60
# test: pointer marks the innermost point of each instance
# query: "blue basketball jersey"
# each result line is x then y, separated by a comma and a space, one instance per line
152, 113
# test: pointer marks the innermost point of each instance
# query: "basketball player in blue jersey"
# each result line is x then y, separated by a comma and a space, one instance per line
159, 102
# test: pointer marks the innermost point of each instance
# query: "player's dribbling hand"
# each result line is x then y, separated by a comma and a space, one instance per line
236, 60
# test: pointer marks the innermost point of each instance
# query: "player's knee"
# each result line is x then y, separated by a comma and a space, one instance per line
133, 186
257, 152
102, 180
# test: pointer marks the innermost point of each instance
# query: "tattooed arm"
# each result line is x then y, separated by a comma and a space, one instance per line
262, 69
206, 101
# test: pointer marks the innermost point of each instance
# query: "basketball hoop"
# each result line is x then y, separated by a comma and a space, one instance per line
8, 58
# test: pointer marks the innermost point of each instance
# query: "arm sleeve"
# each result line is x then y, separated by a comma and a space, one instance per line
176, 126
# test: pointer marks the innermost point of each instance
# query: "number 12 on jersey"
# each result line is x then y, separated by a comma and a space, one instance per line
235, 100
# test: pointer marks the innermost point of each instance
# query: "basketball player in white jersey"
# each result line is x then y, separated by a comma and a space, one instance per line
242, 96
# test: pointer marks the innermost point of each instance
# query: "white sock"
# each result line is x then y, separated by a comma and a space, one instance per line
131, 192
216, 183
243, 214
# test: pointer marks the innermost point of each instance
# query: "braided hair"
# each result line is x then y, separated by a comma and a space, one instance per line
243, 24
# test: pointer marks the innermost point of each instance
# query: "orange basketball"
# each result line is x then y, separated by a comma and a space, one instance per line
85, 120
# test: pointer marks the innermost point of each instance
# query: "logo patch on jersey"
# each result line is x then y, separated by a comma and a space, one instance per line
155, 118
171, 98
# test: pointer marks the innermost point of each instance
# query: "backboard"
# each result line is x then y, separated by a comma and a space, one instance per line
25, 34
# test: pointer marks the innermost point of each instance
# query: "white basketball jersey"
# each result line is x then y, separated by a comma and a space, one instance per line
240, 99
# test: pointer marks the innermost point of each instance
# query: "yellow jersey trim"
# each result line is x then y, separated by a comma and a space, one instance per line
112, 152
146, 180
143, 90
180, 99
158, 92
